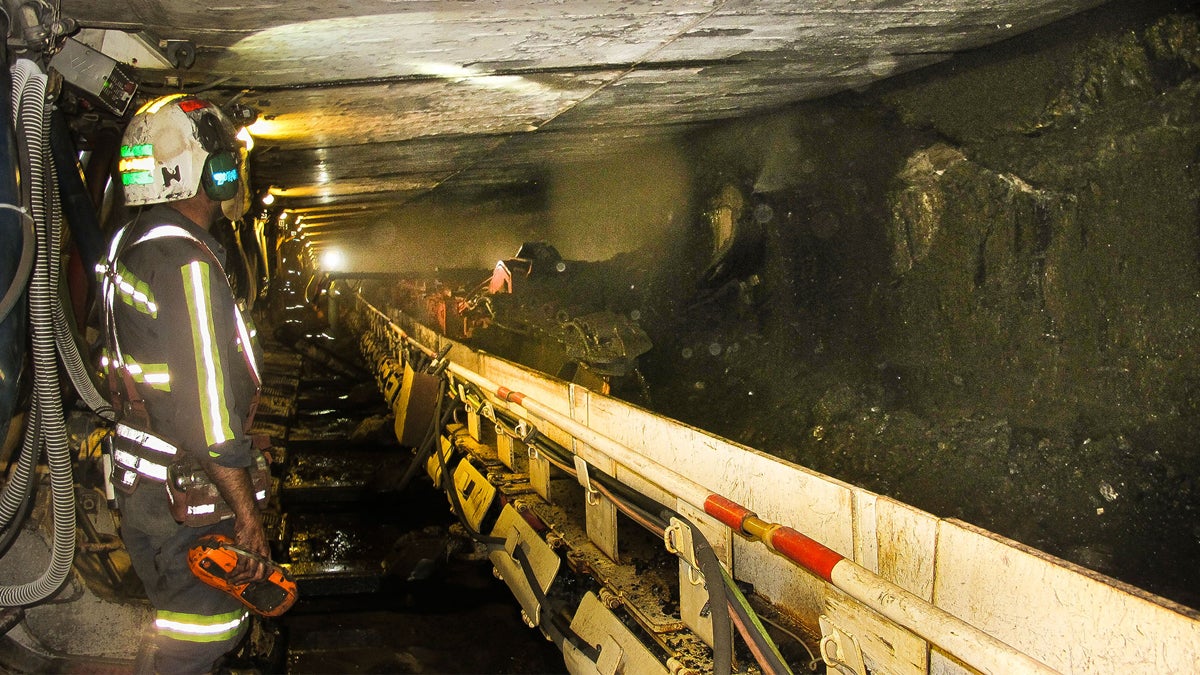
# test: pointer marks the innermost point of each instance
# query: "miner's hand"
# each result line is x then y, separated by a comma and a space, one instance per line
237, 490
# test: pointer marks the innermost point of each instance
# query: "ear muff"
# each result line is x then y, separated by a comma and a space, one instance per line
220, 176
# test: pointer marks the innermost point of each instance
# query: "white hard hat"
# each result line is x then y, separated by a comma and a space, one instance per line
177, 145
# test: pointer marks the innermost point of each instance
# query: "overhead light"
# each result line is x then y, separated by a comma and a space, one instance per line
268, 199
333, 260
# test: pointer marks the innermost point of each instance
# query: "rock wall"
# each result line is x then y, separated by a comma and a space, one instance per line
1049, 258
979, 291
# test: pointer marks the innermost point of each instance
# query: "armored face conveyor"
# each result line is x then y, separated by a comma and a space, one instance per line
876, 584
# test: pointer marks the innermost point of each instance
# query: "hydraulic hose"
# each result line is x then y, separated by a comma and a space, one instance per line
68, 349
81, 213
19, 489
430, 442
714, 577
48, 426
67, 182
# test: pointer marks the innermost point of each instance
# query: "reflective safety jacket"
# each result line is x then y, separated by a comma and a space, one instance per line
181, 357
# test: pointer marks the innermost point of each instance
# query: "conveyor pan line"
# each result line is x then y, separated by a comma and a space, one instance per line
974, 647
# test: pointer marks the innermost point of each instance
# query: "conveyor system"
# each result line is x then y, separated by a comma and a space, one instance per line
578, 498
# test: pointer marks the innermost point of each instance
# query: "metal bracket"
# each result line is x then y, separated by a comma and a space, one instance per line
678, 540
487, 412
840, 649
474, 402
581, 474
620, 649
543, 561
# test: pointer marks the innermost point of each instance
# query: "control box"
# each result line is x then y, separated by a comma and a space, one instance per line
97, 74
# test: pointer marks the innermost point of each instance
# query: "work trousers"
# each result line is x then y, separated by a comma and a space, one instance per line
194, 624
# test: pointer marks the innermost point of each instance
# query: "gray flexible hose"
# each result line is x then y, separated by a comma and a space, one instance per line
16, 489
41, 155
68, 349
50, 429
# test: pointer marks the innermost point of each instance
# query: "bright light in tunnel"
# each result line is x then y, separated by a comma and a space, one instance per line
333, 260
266, 128
245, 137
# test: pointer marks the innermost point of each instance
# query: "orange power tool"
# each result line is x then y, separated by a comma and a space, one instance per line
213, 558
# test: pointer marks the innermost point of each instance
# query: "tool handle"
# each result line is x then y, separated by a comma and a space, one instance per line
253, 556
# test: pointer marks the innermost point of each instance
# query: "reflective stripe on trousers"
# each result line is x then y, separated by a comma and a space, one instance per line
199, 627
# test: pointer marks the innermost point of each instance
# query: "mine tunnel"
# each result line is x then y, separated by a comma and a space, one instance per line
675, 337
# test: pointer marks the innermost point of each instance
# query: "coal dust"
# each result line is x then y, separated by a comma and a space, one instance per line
588, 211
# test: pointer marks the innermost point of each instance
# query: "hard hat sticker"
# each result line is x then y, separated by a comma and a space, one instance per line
170, 176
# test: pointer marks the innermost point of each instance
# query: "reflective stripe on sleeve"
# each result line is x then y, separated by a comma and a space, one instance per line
199, 627
157, 375
210, 372
244, 339
134, 292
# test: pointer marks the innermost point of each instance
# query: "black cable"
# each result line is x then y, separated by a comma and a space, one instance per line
629, 497
547, 619
27, 498
440, 360
705, 557
710, 567
431, 439
717, 582
447, 484
16, 287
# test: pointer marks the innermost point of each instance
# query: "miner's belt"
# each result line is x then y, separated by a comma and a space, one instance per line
145, 439
128, 460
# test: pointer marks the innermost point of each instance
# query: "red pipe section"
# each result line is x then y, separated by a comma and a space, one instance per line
506, 394
800, 549
808, 553
727, 511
